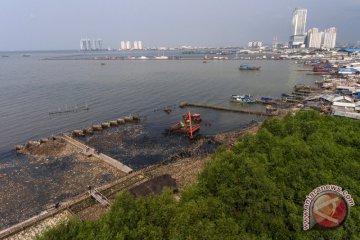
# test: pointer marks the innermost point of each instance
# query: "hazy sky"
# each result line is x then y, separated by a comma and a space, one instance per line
50, 24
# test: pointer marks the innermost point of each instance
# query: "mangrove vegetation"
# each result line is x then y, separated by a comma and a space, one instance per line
255, 190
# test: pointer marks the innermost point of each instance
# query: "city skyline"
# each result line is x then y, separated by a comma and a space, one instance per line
60, 25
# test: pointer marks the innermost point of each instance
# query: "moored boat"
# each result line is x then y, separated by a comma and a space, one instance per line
324, 69
243, 99
188, 126
314, 62
247, 67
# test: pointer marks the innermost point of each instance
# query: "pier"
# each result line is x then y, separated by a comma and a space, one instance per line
88, 151
186, 104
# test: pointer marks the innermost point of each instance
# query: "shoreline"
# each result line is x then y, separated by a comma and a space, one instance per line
184, 170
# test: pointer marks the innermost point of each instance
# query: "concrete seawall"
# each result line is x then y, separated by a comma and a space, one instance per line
185, 104
91, 152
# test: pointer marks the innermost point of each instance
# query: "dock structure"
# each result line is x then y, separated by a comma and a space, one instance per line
88, 151
98, 196
186, 104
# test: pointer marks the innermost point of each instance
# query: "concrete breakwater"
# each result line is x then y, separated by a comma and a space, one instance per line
81, 132
268, 113
84, 149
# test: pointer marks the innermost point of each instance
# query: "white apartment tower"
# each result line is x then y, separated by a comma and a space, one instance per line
87, 44
128, 45
83, 44
314, 38
298, 24
140, 45
255, 44
136, 46
122, 45
329, 38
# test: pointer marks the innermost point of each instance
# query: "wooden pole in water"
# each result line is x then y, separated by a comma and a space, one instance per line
191, 133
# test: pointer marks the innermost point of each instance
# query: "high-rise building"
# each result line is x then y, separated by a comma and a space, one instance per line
140, 45
254, 44
83, 44
98, 44
87, 44
313, 38
136, 47
329, 40
298, 24
128, 45
122, 45
274, 43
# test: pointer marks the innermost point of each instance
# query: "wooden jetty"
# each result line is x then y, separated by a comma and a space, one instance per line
186, 104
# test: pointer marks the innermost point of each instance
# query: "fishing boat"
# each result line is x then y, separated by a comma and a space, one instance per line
247, 67
243, 99
187, 126
347, 71
314, 62
196, 117
289, 96
267, 99
327, 68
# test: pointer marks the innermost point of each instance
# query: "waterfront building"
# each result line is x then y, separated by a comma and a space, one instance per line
274, 43
122, 45
255, 44
100, 44
298, 24
329, 39
140, 45
96, 44
87, 44
314, 38
83, 44
136, 47
128, 45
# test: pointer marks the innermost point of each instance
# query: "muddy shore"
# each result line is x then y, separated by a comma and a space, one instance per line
185, 170
56, 171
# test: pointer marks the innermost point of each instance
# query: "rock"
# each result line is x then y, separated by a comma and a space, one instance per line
97, 127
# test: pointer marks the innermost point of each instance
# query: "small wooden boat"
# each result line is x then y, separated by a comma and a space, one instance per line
247, 67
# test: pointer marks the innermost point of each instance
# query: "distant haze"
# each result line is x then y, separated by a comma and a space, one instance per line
51, 25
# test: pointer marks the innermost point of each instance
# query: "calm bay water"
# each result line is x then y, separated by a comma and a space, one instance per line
30, 87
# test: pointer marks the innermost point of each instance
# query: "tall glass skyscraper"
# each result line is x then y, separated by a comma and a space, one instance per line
298, 25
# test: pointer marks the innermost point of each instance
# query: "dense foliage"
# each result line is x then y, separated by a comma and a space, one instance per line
256, 190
